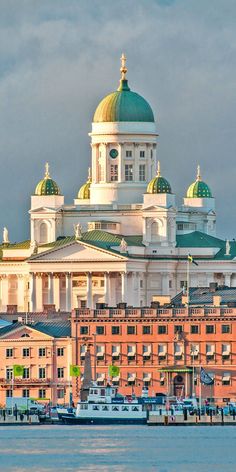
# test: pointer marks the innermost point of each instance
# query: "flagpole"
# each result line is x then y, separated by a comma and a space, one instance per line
200, 390
12, 392
188, 279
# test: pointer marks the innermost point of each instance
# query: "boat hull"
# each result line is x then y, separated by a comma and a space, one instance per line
76, 420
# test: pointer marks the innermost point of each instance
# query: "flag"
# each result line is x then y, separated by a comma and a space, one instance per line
114, 370
18, 370
191, 259
205, 378
74, 371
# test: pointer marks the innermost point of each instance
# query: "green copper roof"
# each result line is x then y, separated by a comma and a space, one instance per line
199, 189
198, 239
47, 186
159, 184
123, 105
84, 191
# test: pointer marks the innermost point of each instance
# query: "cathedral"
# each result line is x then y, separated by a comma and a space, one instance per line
123, 239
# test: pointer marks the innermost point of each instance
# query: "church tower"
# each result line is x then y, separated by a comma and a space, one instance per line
123, 141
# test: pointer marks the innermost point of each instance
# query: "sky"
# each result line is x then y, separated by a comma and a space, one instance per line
58, 59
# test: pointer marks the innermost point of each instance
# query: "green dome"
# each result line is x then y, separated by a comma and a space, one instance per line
123, 105
84, 191
47, 186
199, 189
159, 184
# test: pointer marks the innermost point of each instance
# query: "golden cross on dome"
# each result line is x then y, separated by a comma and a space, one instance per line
89, 173
198, 173
158, 169
47, 170
123, 68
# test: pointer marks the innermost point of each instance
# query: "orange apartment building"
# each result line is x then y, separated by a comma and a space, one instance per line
44, 349
160, 348
156, 347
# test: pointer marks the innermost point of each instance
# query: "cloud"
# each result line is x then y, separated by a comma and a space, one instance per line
59, 59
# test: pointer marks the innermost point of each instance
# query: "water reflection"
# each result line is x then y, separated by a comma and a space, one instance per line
117, 449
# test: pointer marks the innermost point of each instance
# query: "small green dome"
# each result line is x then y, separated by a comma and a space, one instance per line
123, 105
47, 186
199, 189
84, 191
159, 184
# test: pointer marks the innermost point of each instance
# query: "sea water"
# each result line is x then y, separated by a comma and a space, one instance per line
117, 448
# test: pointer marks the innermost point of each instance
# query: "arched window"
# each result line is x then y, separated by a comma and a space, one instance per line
155, 231
43, 233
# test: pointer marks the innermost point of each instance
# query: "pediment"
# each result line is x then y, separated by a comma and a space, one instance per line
25, 333
78, 251
157, 207
46, 210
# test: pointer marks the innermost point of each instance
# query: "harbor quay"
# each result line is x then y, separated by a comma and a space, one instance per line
162, 349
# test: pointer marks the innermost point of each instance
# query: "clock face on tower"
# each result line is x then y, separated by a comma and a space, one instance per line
113, 153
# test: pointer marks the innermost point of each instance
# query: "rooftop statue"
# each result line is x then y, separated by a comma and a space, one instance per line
78, 231
5, 239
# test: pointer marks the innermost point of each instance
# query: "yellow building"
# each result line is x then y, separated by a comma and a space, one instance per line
44, 349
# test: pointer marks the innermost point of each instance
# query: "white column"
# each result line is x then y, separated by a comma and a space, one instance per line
120, 163
138, 289
39, 292
4, 292
227, 277
123, 286
50, 288
32, 298
165, 284
68, 291
106, 288
20, 293
89, 290
56, 291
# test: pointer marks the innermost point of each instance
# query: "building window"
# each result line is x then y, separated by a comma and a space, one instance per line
142, 154
9, 373
25, 393
225, 329
146, 329
60, 373
9, 352
131, 330
42, 352
100, 330
194, 329
26, 352
42, 373
26, 373
84, 330
114, 172
162, 379
210, 329
170, 283
162, 329
115, 330
60, 393
226, 377
60, 351
178, 329
42, 393
128, 153
183, 283
142, 173
8, 393
128, 172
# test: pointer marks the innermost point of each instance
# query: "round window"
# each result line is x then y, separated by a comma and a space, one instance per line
113, 153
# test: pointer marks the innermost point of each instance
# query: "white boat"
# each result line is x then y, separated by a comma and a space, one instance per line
105, 406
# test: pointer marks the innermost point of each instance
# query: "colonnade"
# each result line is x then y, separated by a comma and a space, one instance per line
29, 292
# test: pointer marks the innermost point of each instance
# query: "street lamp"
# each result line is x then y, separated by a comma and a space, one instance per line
193, 352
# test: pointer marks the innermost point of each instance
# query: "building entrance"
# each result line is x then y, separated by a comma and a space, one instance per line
179, 388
